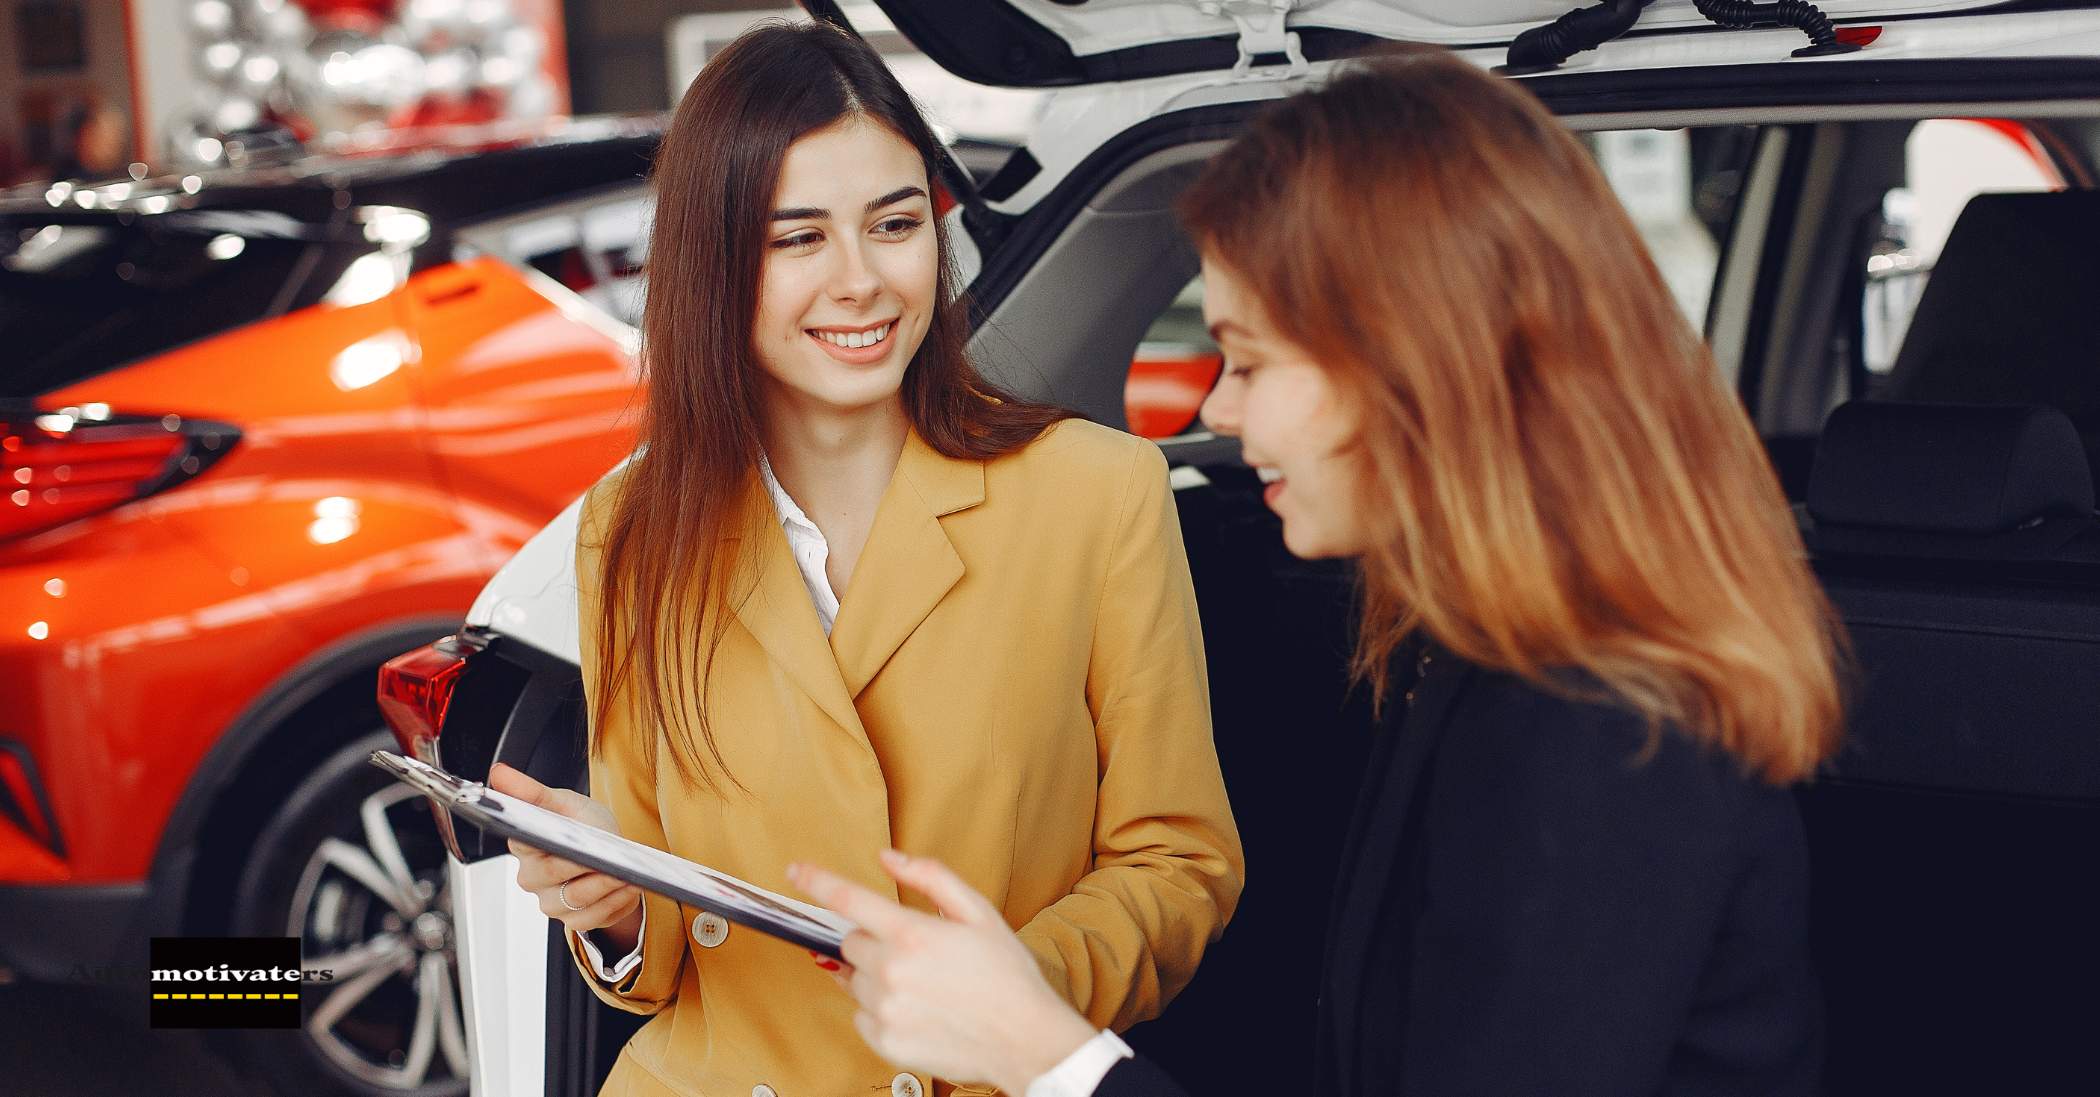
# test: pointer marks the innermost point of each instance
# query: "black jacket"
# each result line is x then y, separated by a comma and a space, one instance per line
1529, 904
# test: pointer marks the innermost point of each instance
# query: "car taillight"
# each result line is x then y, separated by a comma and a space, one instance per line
415, 690
56, 466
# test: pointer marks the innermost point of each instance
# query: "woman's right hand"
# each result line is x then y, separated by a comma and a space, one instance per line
595, 900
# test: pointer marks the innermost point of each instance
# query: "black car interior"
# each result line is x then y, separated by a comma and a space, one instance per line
1951, 520
2010, 314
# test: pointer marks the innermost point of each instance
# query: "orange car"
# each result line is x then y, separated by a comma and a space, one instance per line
260, 431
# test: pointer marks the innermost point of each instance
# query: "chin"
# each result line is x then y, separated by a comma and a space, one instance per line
1305, 545
849, 393
1311, 543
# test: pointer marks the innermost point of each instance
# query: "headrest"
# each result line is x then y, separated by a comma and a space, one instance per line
1969, 470
2008, 316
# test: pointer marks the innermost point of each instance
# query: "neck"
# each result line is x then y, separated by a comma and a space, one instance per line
828, 459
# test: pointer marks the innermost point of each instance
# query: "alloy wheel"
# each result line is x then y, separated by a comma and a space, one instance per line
372, 907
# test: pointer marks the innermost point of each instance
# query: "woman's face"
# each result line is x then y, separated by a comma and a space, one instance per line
848, 284
1295, 426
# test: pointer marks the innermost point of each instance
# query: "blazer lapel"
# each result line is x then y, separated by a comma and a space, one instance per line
908, 564
1374, 859
777, 611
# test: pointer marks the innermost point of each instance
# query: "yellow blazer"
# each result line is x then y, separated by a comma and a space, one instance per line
1014, 684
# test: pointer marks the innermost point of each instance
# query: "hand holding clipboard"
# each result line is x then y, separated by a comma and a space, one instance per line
646, 867
579, 897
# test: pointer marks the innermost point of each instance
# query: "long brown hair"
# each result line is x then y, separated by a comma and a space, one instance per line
664, 578
1560, 479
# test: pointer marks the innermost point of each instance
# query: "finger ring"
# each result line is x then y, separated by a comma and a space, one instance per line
563, 895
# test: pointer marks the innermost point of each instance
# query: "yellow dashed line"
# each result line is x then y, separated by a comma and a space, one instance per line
226, 997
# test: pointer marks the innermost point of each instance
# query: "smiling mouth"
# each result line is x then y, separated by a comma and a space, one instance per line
1271, 483
854, 340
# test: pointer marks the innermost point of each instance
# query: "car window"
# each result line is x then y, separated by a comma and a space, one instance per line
81, 294
1947, 161
596, 248
1173, 370
616, 239
1680, 187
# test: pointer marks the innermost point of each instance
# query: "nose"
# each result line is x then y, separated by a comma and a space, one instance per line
1221, 409
854, 279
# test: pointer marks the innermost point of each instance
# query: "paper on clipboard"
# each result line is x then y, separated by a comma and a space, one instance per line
647, 867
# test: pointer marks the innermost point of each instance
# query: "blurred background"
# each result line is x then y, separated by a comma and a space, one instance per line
94, 87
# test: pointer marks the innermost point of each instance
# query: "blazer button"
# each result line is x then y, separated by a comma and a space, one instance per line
710, 930
904, 1085
763, 1090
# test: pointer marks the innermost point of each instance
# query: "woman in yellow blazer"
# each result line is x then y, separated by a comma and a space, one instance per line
1010, 674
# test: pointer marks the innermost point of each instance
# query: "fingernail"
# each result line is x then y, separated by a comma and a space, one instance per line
828, 964
894, 857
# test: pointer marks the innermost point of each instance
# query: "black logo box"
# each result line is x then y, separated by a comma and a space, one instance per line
225, 982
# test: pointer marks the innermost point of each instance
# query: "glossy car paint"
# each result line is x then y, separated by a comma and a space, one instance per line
393, 454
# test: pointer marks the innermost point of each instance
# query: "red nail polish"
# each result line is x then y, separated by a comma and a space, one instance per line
828, 965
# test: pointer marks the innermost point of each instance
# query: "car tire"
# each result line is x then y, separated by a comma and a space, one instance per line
351, 863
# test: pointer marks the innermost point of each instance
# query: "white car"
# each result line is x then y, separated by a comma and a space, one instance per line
1797, 205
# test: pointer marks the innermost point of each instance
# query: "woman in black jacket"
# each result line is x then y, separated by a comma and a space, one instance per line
1574, 868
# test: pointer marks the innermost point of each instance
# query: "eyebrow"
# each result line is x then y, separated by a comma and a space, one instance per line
813, 213
1226, 327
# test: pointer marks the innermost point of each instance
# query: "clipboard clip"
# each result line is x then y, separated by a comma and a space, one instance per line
441, 788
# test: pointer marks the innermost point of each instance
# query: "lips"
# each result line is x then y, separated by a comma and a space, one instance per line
834, 342
854, 338
1272, 481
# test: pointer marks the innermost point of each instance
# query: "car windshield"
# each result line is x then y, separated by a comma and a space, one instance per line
81, 295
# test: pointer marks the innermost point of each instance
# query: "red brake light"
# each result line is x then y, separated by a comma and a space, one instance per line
61, 465
415, 690
1858, 36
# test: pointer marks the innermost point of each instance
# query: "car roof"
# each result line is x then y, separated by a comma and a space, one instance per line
448, 175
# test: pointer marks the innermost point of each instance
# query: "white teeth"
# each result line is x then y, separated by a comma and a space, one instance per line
855, 339
1267, 474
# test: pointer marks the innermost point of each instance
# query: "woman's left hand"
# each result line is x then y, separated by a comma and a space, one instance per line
957, 996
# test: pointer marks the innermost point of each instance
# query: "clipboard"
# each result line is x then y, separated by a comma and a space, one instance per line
646, 867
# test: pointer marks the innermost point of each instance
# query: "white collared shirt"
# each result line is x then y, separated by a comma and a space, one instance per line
806, 542
1080, 1074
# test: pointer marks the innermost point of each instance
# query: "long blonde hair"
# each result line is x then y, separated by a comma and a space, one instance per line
1561, 479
